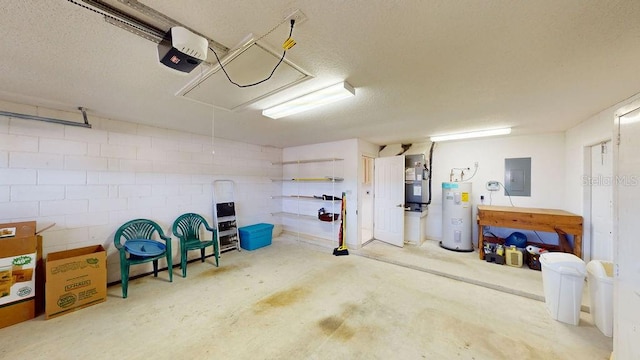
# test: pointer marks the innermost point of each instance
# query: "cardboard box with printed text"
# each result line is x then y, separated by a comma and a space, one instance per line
21, 277
75, 279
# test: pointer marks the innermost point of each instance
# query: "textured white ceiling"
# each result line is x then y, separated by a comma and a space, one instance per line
419, 67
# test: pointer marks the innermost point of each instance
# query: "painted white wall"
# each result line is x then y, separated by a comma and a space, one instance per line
626, 245
90, 181
592, 131
578, 139
547, 173
347, 169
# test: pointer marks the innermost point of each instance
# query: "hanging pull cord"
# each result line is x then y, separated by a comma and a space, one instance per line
288, 44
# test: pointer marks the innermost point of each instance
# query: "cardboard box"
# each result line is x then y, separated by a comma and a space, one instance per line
75, 279
21, 273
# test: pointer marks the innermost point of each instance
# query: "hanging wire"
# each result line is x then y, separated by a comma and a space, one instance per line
213, 119
274, 29
475, 171
213, 126
287, 45
506, 191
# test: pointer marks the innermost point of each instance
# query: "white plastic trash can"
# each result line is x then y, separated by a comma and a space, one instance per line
600, 280
563, 279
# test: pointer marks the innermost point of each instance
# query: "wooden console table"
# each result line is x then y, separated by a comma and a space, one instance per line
549, 220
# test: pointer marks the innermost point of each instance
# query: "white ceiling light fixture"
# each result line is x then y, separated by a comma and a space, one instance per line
470, 135
311, 100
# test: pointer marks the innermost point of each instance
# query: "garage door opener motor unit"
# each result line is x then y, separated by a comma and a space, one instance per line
182, 50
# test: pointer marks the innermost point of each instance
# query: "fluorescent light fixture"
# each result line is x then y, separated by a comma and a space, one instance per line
310, 101
473, 134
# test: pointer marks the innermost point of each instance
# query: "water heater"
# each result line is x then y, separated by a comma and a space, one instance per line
456, 216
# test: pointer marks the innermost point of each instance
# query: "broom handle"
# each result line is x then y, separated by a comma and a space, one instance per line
343, 223
341, 220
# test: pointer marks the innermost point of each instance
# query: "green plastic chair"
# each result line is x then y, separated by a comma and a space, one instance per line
187, 229
140, 231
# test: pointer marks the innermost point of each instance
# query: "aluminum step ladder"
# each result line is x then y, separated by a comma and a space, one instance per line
224, 215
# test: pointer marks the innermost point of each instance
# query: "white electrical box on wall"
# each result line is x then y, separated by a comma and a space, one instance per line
493, 185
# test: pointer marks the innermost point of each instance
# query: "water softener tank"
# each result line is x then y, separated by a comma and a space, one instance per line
456, 216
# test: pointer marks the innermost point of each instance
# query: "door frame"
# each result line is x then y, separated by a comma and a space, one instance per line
361, 208
587, 241
391, 208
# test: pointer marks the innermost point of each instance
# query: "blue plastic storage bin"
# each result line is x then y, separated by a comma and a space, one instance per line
255, 236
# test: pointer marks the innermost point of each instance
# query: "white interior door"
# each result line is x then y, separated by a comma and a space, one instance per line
601, 231
366, 198
389, 200
626, 284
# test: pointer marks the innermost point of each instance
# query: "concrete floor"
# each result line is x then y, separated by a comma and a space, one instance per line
291, 300
464, 266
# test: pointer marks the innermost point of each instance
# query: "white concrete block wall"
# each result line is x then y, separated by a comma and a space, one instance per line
4, 159
37, 193
66, 147
73, 162
5, 192
90, 181
62, 177
18, 176
17, 142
